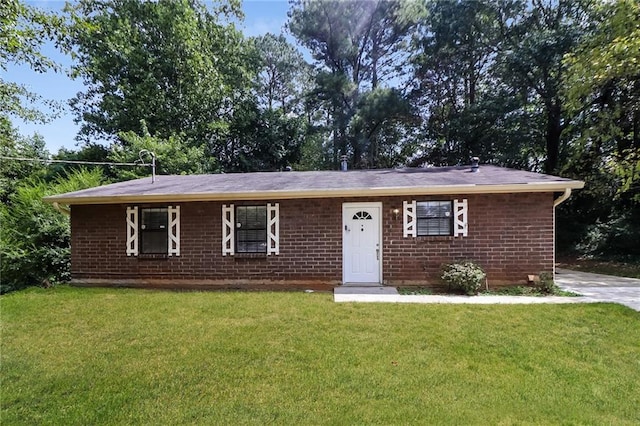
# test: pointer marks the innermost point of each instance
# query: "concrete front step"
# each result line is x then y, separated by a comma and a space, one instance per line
378, 289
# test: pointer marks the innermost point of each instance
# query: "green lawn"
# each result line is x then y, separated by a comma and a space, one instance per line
116, 356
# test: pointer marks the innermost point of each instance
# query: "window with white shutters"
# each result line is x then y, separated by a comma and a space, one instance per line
153, 230
434, 218
251, 229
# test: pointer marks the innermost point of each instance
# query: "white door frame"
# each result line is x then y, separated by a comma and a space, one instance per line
366, 205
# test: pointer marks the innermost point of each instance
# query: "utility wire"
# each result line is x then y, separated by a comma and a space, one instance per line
96, 163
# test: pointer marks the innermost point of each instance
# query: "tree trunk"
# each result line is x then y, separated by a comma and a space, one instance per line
554, 129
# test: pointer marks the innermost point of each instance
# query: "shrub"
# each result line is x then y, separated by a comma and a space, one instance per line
34, 237
465, 276
546, 285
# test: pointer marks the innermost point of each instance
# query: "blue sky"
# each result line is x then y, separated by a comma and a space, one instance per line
261, 16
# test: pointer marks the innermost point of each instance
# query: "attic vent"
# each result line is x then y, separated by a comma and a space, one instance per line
475, 164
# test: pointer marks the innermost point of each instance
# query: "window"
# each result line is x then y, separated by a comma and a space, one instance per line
362, 216
251, 229
153, 231
434, 218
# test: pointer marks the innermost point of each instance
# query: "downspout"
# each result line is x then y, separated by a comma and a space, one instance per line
561, 199
64, 210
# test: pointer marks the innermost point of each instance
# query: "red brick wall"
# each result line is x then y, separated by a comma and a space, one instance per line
510, 235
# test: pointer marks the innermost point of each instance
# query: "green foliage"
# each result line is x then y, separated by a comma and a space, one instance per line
178, 65
35, 238
415, 291
614, 238
465, 276
23, 30
258, 139
282, 73
11, 171
360, 46
603, 89
546, 285
173, 155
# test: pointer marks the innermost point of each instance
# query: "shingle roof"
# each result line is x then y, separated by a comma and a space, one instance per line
315, 184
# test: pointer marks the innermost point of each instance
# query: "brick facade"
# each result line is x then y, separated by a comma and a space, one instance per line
510, 236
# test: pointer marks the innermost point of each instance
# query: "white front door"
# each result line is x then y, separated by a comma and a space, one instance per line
361, 251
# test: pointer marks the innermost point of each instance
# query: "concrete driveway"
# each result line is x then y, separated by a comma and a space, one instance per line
601, 288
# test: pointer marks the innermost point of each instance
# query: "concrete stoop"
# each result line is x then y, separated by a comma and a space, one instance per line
365, 290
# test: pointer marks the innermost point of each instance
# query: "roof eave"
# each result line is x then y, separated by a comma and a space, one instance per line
326, 193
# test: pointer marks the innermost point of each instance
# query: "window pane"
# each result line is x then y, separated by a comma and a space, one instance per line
154, 219
251, 229
153, 231
434, 218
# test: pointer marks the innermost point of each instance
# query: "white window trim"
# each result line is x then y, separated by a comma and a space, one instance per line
132, 231
173, 231
173, 217
409, 221
460, 218
228, 230
273, 229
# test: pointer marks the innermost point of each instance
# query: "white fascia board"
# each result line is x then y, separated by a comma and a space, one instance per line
323, 193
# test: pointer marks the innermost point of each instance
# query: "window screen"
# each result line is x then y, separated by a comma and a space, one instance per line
434, 218
251, 229
153, 230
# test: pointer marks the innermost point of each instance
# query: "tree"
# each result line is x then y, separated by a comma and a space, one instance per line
35, 238
258, 140
535, 37
173, 155
174, 64
23, 30
281, 77
12, 171
358, 44
602, 94
455, 84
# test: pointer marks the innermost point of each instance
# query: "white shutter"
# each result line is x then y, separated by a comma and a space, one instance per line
273, 229
228, 228
409, 222
132, 231
460, 212
174, 230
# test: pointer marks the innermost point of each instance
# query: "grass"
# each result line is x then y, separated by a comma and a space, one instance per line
528, 291
115, 356
503, 291
420, 291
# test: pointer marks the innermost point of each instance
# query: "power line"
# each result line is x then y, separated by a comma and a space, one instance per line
142, 153
95, 163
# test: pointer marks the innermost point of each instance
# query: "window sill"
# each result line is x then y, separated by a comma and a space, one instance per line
152, 256
250, 255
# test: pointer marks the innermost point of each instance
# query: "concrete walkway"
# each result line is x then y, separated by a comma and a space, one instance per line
593, 287
601, 288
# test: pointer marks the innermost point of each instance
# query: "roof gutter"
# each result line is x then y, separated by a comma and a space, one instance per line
561, 199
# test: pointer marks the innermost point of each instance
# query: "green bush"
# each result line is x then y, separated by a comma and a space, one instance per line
546, 285
34, 237
465, 276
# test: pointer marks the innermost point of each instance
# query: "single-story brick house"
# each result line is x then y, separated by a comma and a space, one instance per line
315, 229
